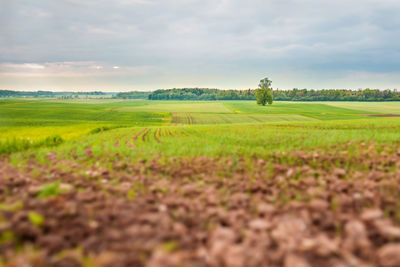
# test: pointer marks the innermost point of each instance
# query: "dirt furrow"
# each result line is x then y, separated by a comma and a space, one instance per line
145, 134
155, 135
138, 134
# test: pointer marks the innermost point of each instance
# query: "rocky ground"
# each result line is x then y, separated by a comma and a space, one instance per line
291, 209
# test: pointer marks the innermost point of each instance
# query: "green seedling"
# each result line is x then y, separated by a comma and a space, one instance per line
35, 218
49, 190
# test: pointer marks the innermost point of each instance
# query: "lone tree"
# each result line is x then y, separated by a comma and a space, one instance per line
264, 92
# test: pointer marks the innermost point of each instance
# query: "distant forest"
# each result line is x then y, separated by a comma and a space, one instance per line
48, 94
288, 95
216, 94
133, 95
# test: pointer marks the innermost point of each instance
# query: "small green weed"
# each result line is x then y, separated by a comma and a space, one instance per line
35, 218
170, 246
49, 190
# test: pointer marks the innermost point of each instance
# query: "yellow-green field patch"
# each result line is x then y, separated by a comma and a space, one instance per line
228, 118
213, 107
40, 132
380, 107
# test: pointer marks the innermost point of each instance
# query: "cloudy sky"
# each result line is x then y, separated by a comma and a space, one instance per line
116, 45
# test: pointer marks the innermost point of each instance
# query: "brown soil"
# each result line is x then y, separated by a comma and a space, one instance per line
299, 209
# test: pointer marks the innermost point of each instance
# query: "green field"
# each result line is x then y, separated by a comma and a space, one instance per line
370, 107
177, 106
140, 183
229, 118
240, 124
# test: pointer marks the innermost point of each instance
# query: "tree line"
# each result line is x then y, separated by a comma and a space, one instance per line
202, 94
46, 94
287, 95
216, 94
133, 95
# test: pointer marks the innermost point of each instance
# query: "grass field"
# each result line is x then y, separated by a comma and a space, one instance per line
229, 118
370, 107
178, 106
318, 111
228, 183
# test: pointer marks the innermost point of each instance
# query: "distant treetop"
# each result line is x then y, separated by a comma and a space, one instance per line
216, 94
264, 92
282, 95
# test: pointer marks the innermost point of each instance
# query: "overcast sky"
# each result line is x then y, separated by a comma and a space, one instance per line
116, 45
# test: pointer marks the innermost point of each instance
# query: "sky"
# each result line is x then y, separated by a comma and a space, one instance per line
124, 45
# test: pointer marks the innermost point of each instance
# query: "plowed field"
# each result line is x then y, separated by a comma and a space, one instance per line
278, 193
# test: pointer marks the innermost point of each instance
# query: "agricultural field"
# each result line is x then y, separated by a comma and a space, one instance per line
222, 183
392, 107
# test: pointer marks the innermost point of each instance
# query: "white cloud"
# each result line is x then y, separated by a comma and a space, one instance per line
96, 67
24, 66
30, 11
135, 2
69, 69
201, 41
